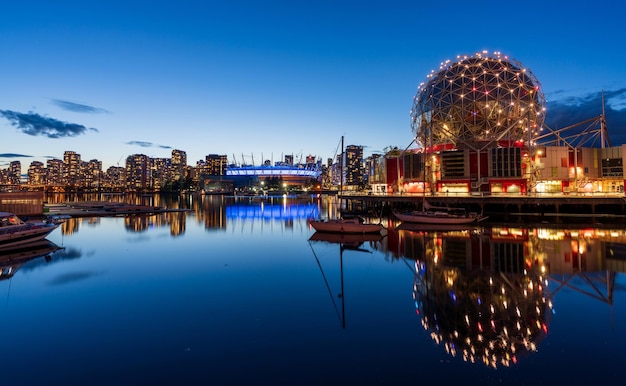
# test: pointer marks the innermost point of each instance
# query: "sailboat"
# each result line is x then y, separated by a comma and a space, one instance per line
352, 225
438, 215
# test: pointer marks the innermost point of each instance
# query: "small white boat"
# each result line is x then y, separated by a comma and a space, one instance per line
14, 232
346, 225
439, 217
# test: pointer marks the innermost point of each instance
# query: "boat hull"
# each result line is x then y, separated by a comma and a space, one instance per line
12, 238
435, 218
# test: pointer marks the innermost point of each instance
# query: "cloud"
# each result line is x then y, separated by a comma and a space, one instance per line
147, 144
78, 107
569, 110
35, 124
14, 155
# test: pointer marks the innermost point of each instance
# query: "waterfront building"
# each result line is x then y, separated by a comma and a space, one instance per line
479, 128
15, 173
216, 164
54, 172
353, 158
138, 176
179, 162
71, 168
92, 172
36, 173
159, 172
115, 178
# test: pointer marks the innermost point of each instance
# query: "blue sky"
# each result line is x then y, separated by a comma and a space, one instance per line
266, 78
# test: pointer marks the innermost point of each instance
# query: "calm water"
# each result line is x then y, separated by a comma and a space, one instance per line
237, 293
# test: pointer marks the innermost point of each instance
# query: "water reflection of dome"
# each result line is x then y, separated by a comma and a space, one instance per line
480, 315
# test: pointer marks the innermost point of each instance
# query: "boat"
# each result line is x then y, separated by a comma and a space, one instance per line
448, 217
439, 217
354, 225
14, 232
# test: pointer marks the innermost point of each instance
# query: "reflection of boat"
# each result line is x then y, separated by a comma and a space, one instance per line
12, 259
15, 232
346, 238
353, 225
28, 251
346, 242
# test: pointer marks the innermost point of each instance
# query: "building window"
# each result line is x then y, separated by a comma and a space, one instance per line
506, 162
612, 167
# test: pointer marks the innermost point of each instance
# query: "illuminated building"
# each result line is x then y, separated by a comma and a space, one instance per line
138, 172
54, 172
179, 162
216, 164
159, 171
36, 173
71, 168
15, 173
353, 167
479, 126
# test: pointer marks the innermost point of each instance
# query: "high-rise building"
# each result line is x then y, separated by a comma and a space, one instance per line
354, 166
15, 173
159, 170
179, 163
36, 173
115, 177
138, 172
289, 159
92, 173
54, 171
216, 164
71, 169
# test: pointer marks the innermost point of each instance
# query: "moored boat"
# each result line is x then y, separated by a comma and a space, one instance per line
439, 217
15, 232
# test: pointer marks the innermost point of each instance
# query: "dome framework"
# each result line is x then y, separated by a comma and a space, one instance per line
479, 98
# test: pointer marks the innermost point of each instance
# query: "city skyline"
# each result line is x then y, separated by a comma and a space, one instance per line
267, 79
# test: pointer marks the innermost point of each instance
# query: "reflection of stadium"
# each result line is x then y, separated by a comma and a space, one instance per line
264, 211
486, 294
217, 211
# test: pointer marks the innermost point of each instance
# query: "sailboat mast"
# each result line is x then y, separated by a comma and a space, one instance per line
341, 168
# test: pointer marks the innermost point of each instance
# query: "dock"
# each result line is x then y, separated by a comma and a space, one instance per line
563, 205
102, 208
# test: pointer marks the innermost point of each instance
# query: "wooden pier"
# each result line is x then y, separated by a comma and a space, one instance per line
502, 205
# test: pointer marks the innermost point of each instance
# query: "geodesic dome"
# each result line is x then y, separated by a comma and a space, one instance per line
484, 97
